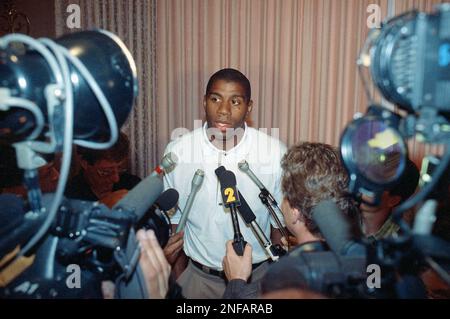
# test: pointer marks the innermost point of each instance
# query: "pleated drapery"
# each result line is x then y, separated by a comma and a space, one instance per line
300, 57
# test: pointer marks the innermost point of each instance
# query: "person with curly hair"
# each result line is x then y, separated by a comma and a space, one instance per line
312, 172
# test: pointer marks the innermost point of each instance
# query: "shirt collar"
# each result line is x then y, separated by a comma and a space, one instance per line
212, 149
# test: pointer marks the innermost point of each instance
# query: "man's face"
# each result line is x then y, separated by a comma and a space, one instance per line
226, 108
102, 175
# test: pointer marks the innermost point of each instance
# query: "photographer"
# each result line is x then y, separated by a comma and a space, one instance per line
312, 172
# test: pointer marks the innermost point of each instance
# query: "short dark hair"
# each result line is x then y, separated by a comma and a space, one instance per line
118, 152
231, 75
313, 172
407, 184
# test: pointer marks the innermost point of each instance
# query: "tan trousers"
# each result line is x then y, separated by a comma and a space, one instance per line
197, 284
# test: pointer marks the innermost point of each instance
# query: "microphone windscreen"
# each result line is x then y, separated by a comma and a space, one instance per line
142, 196
246, 212
168, 199
227, 179
219, 170
333, 224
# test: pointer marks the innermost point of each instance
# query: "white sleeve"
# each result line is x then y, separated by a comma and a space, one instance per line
277, 193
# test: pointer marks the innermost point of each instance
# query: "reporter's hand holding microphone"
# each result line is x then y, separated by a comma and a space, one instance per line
235, 266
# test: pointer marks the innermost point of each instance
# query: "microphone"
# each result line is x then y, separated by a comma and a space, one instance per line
274, 251
230, 198
244, 167
167, 200
197, 181
250, 219
157, 219
168, 162
337, 229
143, 195
266, 197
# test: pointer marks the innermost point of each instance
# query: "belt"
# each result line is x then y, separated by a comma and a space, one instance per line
218, 273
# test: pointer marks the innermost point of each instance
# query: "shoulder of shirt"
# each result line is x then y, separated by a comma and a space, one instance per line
185, 139
263, 135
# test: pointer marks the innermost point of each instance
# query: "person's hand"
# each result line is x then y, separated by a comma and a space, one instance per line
154, 265
173, 247
237, 267
108, 289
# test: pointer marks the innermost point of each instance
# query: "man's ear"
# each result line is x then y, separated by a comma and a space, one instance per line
249, 107
204, 102
295, 214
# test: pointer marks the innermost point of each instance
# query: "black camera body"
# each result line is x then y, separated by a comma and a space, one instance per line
88, 238
411, 60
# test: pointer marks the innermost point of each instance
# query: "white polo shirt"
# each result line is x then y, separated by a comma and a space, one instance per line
209, 224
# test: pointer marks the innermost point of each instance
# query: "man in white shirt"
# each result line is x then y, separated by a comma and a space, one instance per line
225, 139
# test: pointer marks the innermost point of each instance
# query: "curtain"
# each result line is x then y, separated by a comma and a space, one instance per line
298, 54
134, 22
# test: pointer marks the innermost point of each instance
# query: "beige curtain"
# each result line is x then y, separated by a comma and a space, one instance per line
298, 54
134, 22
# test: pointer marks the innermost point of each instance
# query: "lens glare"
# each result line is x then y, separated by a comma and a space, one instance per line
378, 151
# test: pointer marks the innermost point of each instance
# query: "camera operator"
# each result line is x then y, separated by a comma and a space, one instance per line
312, 172
376, 221
103, 176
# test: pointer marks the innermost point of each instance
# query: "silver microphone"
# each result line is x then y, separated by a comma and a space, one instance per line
168, 162
267, 199
244, 167
197, 181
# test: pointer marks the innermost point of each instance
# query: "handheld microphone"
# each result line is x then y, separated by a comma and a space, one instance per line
230, 198
266, 197
336, 229
143, 195
168, 162
167, 200
157, 219
250, 219
197, 181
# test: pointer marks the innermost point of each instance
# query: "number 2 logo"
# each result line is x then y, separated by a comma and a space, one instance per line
230, 193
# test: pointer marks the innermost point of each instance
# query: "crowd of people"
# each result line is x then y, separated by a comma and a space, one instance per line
201, 258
